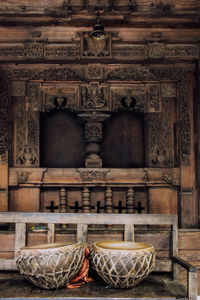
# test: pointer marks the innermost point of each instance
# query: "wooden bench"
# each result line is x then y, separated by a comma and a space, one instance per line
151, 288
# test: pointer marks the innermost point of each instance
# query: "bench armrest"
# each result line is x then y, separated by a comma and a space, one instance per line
183, 263
192, 276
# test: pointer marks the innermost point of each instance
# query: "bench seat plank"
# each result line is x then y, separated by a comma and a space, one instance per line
14, 285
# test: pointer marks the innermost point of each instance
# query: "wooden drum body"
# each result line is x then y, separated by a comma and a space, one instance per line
122, 264
50, 266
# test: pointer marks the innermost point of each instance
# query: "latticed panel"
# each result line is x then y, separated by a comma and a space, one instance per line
123, 271
51, 270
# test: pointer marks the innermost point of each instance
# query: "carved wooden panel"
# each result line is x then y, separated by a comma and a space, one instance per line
4, 122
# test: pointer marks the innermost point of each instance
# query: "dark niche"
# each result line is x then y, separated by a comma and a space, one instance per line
62, 142
123, 141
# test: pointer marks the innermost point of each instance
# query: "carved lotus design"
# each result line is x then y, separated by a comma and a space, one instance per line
122, 264
50, 266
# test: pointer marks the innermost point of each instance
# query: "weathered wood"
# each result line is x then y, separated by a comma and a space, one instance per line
82, 230
71, 177
20, 236
51, 233
192, 285
68, 218
129, 233
14, 286
8, 264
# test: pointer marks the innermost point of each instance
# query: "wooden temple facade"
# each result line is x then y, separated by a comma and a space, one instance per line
105, 125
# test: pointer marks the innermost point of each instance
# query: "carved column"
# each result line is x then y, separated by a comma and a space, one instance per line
93, 136
130, 200
86, 200
4, 144
108, 200
63, 200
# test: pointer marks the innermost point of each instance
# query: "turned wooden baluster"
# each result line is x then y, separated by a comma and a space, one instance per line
63, 203
130, 200
108, 202
86, 200
63, 200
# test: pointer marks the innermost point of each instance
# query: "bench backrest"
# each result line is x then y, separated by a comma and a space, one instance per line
82, 221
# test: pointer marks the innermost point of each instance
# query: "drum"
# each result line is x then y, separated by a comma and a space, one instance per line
122, 264
50, 266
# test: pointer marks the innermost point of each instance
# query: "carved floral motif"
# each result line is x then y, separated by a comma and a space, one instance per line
91, 175
18, 88
22, 176
168, 176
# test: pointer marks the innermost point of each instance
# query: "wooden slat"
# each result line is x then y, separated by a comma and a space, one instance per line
20, 236
51, 233
8, 264
71, 218
175, 246
163, 265
129, 233
82, 230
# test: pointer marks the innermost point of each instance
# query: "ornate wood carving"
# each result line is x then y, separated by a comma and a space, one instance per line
93, 175
22, 176
34, 50
34, 99
84, 47
4, 123
60, 51
19, 88
168, 176
93, 135
94, 72
127, 51
133, 97
160, 137
65, 97
168, 90
184, 138
154, 98
94, 96
156, 50
91, 48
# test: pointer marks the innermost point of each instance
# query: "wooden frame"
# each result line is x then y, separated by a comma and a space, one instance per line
83, 220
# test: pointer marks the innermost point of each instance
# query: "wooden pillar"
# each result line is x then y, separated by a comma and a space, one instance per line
4, 143
130, 200
188, 198
86, 199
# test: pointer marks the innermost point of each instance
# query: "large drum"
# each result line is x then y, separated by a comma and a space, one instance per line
122, 264
50, 266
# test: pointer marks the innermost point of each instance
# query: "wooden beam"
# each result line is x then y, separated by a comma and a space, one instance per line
71, 218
